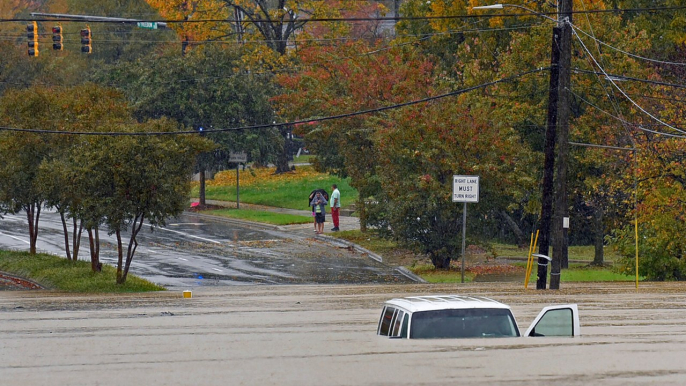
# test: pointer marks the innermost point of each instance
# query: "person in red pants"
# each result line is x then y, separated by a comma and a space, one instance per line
335, 207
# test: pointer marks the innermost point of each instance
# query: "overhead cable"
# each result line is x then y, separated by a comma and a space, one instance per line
277, 125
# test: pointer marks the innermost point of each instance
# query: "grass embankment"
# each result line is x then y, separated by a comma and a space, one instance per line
72, 276
485, 265
260, 216
263, 187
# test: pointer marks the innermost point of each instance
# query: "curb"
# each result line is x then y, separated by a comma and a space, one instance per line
408, 274
346, 243
14, 276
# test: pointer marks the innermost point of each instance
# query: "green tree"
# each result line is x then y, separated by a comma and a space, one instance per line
23, 152
206, 88
139, 179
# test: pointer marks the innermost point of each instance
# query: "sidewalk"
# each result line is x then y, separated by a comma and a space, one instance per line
347, 223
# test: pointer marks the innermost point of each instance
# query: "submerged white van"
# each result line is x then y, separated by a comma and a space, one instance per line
458, 316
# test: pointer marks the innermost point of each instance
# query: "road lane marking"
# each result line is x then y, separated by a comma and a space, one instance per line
218, 270
181, 258
14, 237
186, 234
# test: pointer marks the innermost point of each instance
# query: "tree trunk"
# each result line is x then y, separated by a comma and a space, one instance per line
94, 242
598, 238
362, 210
65, 230
76, 237
120, 257
283, 158
32, 216
440, 262
201, 192
133, 244
519, 235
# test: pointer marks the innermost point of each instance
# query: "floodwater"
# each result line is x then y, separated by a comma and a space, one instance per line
325, 335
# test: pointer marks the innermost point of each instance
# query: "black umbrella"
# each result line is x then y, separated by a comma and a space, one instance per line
314, 192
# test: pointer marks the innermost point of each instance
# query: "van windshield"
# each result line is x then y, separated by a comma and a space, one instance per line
463, 323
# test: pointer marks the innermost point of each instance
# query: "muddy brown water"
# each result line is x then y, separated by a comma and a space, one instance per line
325, 335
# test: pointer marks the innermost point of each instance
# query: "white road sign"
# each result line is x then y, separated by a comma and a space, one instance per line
465, 188
238, 157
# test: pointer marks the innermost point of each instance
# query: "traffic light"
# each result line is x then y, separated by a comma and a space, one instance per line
57, 38
86, 41
32, 34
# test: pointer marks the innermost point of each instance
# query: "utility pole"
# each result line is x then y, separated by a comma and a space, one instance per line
549, 162
560, 237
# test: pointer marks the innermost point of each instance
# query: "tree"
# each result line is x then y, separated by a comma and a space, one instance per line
266, 31
207, 88
22, 153
661, 195
420, 152
141, 179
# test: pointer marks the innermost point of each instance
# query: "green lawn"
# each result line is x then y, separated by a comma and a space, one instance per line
304, 158
260, 216
432, 275
283, 191
72, 276
584, 272
576, 252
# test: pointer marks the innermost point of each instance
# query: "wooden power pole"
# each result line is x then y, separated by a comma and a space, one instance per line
560, 237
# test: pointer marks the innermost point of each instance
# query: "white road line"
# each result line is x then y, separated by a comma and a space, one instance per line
186, 223
186, 234
16, 238
218, 270
181, 258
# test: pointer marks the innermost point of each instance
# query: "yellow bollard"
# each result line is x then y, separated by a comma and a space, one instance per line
187, 294
530, 261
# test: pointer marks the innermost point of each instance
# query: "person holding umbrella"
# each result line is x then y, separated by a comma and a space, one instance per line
318, 204
309, 202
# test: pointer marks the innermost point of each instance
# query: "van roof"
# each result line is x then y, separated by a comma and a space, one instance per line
444, 302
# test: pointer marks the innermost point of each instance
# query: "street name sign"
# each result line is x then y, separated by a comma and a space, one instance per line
465, 188
147, 24
238, 157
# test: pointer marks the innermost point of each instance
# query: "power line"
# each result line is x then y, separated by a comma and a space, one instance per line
627, 53
350, 19
636, 125
622, 91
613, 76
277, 125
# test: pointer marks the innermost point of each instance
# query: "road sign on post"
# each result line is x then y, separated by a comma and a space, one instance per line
238, 158
465, 189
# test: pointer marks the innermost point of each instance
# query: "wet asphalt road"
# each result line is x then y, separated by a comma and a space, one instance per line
195, 250
325, 335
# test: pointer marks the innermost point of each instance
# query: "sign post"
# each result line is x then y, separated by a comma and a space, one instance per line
238, 158
465, 189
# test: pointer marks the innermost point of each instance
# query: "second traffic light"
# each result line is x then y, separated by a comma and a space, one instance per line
57, 38
32, 35
86, 41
